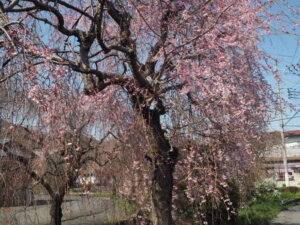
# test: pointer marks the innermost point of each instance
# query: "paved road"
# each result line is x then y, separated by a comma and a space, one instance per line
76, 211
288, 217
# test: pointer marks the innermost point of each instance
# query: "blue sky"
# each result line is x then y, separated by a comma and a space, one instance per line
285, 48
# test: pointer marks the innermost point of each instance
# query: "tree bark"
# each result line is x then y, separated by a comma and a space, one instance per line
162, 187
56, 210
163, 157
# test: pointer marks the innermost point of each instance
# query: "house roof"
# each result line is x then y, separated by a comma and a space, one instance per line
292, 133
13, 148
274, 152
289, 133
279, 159
34, 141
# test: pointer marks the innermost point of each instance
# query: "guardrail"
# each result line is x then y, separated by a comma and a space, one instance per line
286, 202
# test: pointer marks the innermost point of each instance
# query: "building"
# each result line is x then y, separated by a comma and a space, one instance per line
274, 159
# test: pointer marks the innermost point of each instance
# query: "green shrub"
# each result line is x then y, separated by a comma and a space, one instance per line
265, 206
291, 189
265, 189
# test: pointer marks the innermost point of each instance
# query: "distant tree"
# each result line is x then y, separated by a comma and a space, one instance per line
57, 149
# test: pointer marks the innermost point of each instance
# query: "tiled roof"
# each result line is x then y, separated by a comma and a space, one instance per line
292, 133
279, 159
13, 149
289, 133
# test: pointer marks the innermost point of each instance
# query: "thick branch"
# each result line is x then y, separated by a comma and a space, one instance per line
60, 26
9, 7
98, 27
150, 65
123, 20
67, 5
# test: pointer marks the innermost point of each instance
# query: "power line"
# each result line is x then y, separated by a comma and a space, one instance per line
285, 118
295, 53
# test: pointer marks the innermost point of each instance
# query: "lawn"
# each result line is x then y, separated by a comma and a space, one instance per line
263, 209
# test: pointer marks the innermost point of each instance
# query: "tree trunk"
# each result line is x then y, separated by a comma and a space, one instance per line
162, 187
163, 158
56, 210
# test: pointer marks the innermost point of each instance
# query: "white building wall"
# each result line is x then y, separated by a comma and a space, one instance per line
292, 150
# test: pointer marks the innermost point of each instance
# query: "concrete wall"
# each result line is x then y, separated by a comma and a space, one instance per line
76, 211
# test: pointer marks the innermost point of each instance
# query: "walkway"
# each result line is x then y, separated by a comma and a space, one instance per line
288, 217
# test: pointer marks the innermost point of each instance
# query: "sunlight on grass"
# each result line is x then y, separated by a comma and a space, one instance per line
264, 209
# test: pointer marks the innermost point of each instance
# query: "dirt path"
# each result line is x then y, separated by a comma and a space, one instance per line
288, 217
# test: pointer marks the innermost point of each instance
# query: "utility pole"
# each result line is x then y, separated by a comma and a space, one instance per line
283, 147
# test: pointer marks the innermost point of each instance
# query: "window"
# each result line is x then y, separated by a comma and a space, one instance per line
296, 169
281, 177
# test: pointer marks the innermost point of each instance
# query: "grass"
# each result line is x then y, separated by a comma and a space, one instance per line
264, 209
